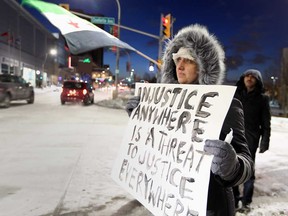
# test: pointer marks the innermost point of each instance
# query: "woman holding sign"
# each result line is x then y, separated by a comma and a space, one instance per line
195, 57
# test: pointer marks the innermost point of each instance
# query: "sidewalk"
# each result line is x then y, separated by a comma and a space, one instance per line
47, 89
104, 97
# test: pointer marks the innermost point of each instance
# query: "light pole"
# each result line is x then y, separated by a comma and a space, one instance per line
117, 52
52, 52
132, 73
274, 87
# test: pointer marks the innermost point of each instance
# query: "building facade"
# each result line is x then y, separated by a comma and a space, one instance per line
26, 45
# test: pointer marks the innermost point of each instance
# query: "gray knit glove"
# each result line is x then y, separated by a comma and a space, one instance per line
225, 162
132, 104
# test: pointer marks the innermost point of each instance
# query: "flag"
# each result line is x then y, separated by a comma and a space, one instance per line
81, 36
10, 38
5, 34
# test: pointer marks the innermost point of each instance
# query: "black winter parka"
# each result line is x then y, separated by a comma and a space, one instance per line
220, 195
257, 113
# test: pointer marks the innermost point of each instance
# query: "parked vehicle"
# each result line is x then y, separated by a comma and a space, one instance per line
77, 91
276, 108
13, 88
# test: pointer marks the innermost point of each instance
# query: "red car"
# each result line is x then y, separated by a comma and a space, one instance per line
77, 91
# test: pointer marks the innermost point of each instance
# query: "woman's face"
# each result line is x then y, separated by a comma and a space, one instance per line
186, 70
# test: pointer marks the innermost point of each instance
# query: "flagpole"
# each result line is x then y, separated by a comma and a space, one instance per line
117, 52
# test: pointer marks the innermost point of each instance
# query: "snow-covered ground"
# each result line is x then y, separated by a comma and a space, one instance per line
62, 173
271, 187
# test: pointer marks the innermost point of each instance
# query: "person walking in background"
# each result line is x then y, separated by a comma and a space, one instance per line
257, 116
194, 56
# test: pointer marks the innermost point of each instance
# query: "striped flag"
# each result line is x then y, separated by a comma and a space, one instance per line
9, 37
81, 36
5, 34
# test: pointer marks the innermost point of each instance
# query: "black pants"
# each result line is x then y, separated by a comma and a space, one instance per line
248, 186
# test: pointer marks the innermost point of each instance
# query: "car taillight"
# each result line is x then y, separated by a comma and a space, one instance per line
84, 92
72, 92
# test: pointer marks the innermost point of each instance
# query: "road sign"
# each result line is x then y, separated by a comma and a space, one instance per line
103, 20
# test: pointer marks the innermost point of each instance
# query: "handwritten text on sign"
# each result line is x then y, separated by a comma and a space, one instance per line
161, 161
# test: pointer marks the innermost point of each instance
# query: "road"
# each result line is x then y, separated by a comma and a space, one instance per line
56, 160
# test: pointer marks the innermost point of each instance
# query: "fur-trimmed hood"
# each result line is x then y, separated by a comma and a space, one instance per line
206, 50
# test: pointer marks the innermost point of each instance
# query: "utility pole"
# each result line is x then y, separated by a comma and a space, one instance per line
160, 47
115, 95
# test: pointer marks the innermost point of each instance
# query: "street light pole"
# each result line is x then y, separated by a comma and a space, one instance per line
274, 87
117, 52
52, 52
43, 69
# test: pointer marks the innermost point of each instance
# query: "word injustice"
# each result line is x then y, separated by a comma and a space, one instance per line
162, 95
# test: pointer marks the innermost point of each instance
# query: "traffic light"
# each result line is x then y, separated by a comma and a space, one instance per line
66, 6
166, 23
114, 32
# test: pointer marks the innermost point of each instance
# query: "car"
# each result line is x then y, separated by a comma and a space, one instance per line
12, 88
77, 91
274, 104
276, 108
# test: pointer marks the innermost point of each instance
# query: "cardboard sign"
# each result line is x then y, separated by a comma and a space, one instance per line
161, 161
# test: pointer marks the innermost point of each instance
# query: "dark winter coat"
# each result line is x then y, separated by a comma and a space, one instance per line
257, 112
209, 56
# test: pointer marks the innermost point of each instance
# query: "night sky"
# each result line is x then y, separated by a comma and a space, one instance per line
253, 33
